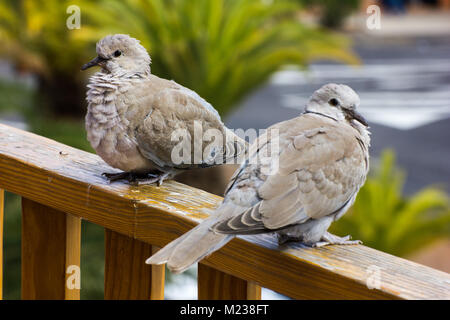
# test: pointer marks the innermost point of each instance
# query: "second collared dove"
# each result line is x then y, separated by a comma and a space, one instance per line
132, 116
323, 160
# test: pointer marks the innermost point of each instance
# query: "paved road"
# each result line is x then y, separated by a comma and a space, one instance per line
404, 87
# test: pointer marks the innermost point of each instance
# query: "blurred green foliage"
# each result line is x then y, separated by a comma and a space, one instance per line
35, 39
332, 12
383, 218
15, 97
222, 49
12, 247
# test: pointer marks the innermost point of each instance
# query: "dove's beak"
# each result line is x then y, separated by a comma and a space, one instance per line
357, 116
94, 62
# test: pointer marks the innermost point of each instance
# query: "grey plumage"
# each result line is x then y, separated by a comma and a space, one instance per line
323, 161
132, 115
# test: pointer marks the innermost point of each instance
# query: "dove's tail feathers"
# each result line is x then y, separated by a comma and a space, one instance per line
190, 248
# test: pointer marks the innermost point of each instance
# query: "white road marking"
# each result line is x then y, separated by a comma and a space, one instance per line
406, 94
403, 114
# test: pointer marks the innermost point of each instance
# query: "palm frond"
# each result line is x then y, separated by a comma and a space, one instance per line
383, 218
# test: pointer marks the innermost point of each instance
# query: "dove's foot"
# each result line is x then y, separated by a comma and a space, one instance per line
118, 176
137, 178
329, 238
284, 238
153, 178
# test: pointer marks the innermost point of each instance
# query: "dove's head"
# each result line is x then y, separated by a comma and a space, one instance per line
336, 101
120, 55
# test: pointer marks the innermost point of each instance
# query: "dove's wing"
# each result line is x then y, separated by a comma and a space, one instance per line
322, 165
183, 131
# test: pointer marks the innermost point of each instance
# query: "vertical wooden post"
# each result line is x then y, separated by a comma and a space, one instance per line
2, 200
126, 274
73, 256
217, 285
51, 242
158, 276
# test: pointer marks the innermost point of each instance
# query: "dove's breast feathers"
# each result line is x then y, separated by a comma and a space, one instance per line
108, 124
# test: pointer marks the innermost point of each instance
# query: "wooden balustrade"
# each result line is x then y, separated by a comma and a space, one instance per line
61, 185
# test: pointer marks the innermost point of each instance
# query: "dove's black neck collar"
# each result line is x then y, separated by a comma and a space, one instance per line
320, 114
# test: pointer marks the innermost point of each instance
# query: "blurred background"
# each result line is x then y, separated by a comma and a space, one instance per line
257, 62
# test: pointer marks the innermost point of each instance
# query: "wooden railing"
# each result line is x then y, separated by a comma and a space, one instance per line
61, 185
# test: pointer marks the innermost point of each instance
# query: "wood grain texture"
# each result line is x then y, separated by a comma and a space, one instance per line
216, 285
126, 276
253, 291
70, 180
73, 256
2, 204
48, 248
158, 278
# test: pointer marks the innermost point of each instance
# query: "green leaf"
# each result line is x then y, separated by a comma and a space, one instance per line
383, 218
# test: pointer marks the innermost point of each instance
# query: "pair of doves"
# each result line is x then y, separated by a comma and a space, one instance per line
322, 155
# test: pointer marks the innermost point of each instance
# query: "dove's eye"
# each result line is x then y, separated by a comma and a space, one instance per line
117, 53
334, 102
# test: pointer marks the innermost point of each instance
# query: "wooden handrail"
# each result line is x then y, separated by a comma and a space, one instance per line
69, 181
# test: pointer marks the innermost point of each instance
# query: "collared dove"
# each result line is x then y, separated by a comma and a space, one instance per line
132, 116
323, 161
